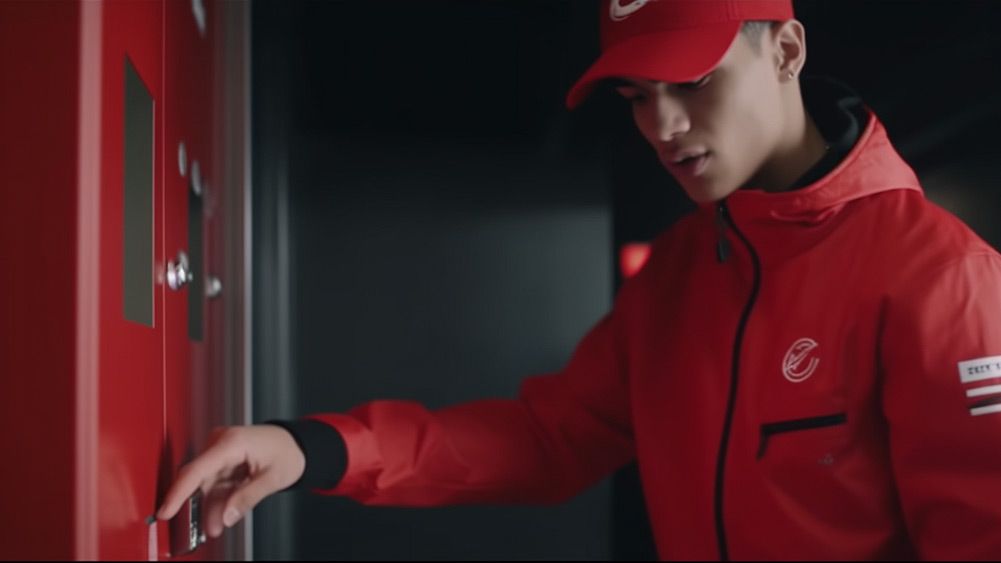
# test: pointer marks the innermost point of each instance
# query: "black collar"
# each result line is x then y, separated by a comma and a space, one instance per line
839, 114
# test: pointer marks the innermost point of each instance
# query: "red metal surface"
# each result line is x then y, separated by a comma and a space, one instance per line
130, 459
189, 98
88, 282
38, 119
98, 411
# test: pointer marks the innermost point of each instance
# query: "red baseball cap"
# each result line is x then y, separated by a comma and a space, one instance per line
669, 40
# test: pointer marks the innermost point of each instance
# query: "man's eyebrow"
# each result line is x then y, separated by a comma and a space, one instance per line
616, 82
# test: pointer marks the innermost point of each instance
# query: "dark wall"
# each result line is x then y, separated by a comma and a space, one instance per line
449, 232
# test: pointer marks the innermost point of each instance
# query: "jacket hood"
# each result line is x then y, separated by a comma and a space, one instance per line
869, 165
782, 224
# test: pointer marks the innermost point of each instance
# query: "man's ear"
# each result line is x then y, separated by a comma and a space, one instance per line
789, 42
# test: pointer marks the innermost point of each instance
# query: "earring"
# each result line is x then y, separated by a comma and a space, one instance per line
791, 74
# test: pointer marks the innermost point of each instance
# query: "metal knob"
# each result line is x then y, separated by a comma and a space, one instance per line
179, 273
182, 159
213, 287
196, 178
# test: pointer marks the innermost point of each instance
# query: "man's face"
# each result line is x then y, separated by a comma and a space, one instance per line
732, 117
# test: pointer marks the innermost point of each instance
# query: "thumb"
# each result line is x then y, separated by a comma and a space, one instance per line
245, 498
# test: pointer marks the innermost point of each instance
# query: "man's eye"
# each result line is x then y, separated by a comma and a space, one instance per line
632, 96
698, 84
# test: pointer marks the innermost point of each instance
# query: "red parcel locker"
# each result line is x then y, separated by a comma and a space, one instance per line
120, 348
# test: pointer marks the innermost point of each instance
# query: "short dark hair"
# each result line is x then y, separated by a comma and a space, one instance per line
752, 30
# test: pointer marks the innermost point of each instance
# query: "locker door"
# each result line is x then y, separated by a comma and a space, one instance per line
191, 198
129, 439
95, 212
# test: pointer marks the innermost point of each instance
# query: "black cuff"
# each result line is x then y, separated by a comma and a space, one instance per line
325, 451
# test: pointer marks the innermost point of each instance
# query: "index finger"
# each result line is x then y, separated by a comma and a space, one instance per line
200, 473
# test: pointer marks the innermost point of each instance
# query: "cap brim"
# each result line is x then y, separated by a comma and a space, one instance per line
680, 55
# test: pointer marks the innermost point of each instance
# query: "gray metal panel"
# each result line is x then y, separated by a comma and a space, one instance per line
138, 195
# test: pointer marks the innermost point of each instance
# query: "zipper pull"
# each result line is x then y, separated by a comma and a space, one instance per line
722, 244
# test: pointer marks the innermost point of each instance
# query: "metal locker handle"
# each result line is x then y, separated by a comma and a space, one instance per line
186, 532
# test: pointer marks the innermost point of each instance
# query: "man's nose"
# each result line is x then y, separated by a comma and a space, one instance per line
672, 119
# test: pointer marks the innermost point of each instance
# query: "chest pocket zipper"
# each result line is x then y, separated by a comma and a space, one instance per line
772, 428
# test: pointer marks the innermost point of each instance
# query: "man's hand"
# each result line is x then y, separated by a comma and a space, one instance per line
241, 466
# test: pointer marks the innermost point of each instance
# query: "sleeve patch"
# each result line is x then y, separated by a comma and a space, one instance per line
981, 379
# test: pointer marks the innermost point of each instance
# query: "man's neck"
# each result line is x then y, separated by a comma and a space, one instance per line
794, 157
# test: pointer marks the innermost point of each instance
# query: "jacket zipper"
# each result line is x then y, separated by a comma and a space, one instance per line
722, 253
722, 244
772, 428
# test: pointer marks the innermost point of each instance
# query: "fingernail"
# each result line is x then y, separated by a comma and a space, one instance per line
231, 516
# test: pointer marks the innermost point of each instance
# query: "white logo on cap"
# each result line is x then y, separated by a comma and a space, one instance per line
618, 12
793, 367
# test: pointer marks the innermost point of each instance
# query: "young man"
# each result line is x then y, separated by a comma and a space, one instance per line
808, 366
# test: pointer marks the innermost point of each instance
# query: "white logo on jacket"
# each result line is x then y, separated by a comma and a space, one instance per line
795, 366
618, 12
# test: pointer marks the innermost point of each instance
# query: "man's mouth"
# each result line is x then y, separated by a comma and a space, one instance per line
691, 165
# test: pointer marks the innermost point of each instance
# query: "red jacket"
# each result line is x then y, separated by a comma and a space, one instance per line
831, 389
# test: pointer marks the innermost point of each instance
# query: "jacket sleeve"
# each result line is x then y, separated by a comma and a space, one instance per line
941, 354
563, 432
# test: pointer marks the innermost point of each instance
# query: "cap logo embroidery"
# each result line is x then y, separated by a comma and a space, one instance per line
618, 12
800, 363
